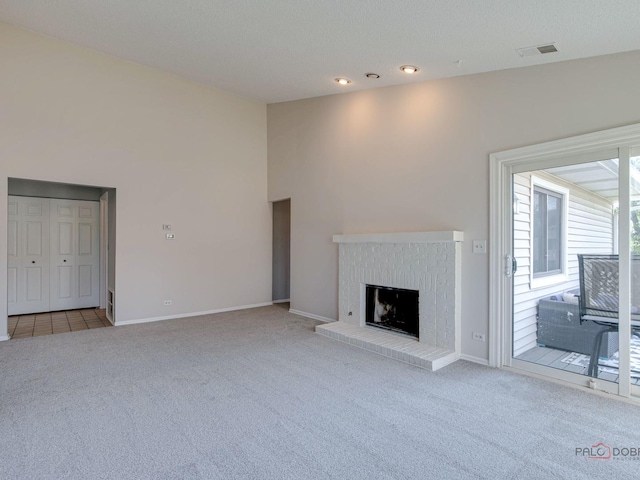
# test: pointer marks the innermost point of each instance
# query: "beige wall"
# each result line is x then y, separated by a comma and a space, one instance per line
177, 153
416, 158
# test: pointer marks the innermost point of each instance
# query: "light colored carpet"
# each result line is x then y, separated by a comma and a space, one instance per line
256, 394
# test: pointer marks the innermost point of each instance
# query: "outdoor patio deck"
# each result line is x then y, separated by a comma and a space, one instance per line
553, 358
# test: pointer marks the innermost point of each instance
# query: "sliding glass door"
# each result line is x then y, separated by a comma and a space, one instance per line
564, 218
566, 269
634, 273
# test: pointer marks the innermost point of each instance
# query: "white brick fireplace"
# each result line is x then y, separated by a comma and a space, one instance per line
427, 262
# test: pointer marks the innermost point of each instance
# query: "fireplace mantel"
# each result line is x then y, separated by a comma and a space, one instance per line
406, 237
428, 262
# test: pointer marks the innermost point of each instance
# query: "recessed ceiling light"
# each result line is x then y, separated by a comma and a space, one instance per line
343, 81
409, 69
372, 75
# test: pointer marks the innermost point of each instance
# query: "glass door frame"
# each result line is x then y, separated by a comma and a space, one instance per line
612, 143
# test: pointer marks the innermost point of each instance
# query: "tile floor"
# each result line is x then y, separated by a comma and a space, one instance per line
22, 326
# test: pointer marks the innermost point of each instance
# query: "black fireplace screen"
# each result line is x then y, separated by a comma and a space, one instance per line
393, 309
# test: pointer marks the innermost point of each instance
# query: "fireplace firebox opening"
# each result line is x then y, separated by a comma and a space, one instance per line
394, 309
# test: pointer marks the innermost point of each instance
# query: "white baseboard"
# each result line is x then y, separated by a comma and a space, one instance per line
311, 315
471, 358
282, 301
4, 338
192, 314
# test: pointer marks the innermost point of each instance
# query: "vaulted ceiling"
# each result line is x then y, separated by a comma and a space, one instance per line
279, 50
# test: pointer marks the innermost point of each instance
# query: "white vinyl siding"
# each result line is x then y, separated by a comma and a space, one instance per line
589, 230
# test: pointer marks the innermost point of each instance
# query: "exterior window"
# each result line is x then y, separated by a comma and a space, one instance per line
548, 244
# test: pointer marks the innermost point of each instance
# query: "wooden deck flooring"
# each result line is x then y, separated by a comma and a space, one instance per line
552, 357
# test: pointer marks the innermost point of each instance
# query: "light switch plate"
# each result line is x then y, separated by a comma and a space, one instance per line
166, 227
170, 236
479, 246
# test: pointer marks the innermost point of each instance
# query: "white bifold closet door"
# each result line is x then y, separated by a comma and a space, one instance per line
75, 256
28, 255
69, 261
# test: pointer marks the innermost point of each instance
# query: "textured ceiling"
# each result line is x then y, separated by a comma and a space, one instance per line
279, 50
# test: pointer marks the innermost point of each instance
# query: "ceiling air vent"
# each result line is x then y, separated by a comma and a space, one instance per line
537, 50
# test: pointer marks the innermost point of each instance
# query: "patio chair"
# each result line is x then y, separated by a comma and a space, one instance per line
599, 281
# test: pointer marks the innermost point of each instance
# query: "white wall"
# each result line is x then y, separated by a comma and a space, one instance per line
416, 158
589, 231
177, 153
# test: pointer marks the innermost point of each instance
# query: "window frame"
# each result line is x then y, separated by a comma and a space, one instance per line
548, 279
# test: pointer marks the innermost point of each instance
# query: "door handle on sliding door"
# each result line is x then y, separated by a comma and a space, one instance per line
511, 266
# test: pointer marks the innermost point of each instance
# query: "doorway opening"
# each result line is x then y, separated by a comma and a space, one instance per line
60, 256
281, 272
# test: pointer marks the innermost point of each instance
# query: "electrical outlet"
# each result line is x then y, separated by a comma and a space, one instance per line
478, 336
167, 302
